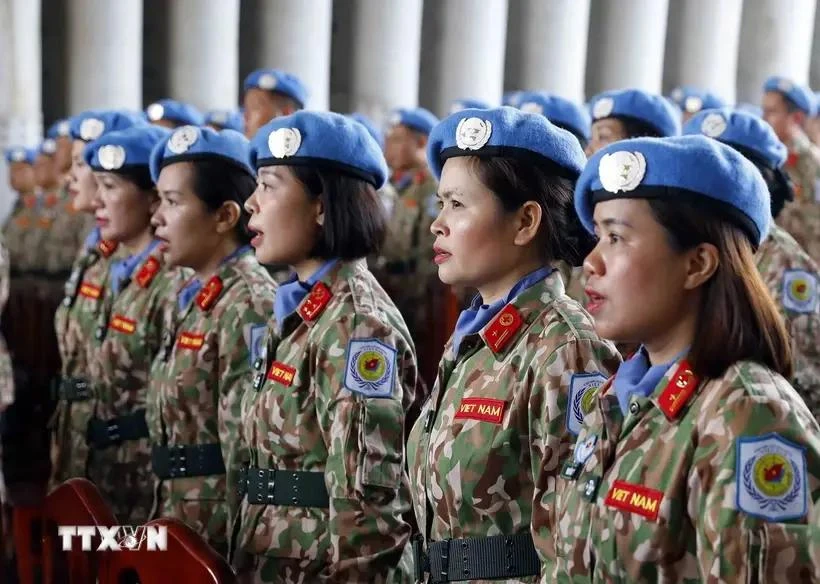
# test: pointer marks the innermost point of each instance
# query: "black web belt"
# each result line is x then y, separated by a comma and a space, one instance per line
105, 433
476, 558
183, 460
299, 488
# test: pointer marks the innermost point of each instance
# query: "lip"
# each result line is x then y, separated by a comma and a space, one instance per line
102, 221
440, 255
595, 300
257, 239
163, 243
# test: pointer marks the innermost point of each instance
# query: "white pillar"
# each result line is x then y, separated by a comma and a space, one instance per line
296, 38
105, 54
548, 40
471, 52
775, 39
626, 45
385, 55
814, 77
702, 45
204, 41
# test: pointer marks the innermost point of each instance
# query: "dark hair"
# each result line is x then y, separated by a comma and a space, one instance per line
636, 128
738, 320
355, 220
139, 175
516, 181
217, 181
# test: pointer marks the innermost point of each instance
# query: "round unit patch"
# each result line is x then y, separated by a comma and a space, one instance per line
370, 369
91, 129
111, 156
18, 156
532, 108
284, 142
473, 133
713, 125
693, 104
800, 291
267, 81
771, 478
49, 146
64, 128
182, 139
155, 112
583, 389
603, 107
621, 171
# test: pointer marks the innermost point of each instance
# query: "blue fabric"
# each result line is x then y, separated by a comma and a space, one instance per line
192, 143
508, 128
476, 317
122, 270
59, 129
189, 291
316, 138
92, 239
750, 108
560, 111
134, 147
174, 111
374, 131
511, 98
417, 118
280, 82
697, 164
740, 129
636, 377
226, 120
462, 104
92, 124
291, 293
653, 110
800, 95
693, 99
21, 154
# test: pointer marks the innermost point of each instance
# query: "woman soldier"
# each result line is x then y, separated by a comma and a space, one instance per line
215, 333
699, 462
327, 416
130, 325
76, 318
510, 389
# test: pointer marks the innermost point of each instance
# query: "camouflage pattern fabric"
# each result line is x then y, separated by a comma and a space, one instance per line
704, 481
196, 388
574, 281
341, 375
67, 231
131, 326
801, 217
487, 447
793, 280
6, 372
24, 234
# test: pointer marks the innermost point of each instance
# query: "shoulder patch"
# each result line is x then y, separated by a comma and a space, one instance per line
255, 339
771, 478
371, 368
583, 389
800, 291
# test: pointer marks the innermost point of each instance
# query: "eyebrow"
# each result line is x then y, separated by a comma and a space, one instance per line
610, 221
448, 194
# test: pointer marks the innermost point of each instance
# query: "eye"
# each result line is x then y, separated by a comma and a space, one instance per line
613, 238
455, 204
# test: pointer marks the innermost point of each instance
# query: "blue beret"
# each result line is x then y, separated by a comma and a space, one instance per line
123, 149
462, 104
692, 99
800, 96
92, 124
681, 167
749, 108
193, 143
418, 119
278, 81
59, 129
226, 120
504, 131
174, 111
652, 110
321, 139
817, 103
511, 98
561, 112
374, 131
742, 130
21, 154
47, 147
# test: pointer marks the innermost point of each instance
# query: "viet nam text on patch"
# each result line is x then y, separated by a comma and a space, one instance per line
634, 499
281, 373
482, 409
371, 368
122, 324
583, 389
191, 341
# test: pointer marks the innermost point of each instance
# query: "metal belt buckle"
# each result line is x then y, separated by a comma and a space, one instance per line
113, 430
178, 461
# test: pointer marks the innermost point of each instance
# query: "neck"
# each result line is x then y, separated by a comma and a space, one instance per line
209, 267
139, 242
496, 290
674, 340
307, 268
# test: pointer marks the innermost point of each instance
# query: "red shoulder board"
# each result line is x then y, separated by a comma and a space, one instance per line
791, 161
502, 328
210, 293
315, 303
678, 391
147, 273
51, 200
419, 177
107, 247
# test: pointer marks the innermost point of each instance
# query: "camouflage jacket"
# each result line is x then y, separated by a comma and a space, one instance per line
341, 375
196, 387
24, 234
704, 481
793, 280
801, 217
66, 233
488, 445
6, 371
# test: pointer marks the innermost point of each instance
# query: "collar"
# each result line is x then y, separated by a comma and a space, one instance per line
122, 270
676, 389
191, 288
293, 294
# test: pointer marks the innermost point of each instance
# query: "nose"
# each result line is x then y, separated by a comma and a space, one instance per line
439, 225
250, 205
157, 219
593, 263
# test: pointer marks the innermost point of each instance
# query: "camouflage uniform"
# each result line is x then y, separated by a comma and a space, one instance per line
313, 412
793, 280
66, 235
128, 334
574, 281
486, 450
75, 322
196, 390
23, 233
6, 372
714, 481
801, 217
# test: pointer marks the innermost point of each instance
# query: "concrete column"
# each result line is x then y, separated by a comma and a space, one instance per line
204, 39
702, 45
775, 39
104, 54
814, 77
295, 37
626, 45
385, 55
547, 46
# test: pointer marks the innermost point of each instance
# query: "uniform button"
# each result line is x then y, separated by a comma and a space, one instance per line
634, 407
67, 301
257, 364
99, 333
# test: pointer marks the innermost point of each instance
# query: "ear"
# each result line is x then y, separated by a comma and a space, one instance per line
528, 219
227, 216
704, 260
799, 117
320, 212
